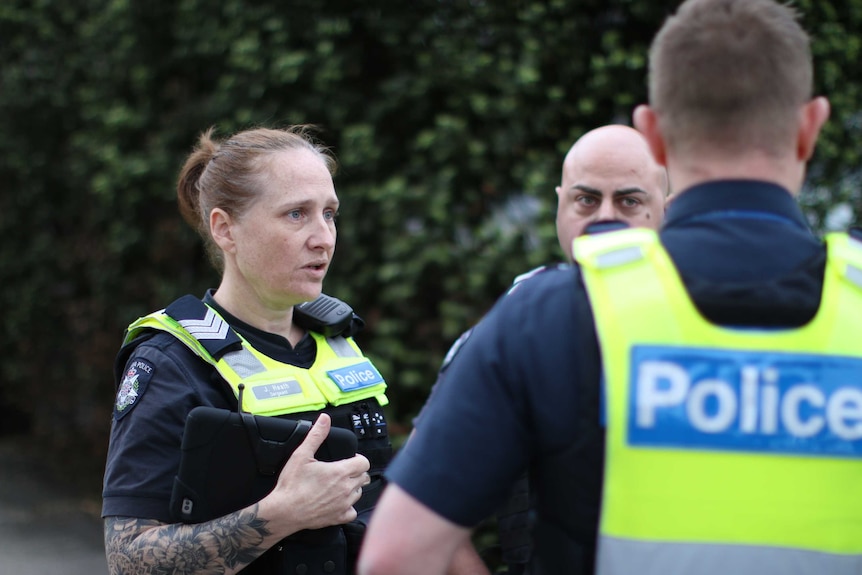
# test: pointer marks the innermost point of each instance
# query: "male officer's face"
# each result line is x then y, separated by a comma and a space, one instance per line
609, 175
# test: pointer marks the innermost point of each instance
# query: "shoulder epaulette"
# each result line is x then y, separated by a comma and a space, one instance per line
204, 324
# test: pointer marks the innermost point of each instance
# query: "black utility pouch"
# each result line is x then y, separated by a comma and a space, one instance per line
318, 552
309, 552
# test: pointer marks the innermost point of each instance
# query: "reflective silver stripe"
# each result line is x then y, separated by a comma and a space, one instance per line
854, 274
617, 556
619, 257
210, 327
341, 347
243, 362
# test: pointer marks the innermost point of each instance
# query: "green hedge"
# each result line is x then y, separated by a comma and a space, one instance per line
450, 119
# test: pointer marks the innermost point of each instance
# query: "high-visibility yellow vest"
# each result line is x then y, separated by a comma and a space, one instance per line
728, 451
340, 374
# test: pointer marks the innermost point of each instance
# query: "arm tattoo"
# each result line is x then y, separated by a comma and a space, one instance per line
147, 547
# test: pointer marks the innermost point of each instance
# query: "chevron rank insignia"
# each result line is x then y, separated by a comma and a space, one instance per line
137, 376
205, 325
210, 327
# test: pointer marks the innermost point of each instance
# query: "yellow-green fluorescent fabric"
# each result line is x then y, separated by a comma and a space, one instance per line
729, 451
340, 373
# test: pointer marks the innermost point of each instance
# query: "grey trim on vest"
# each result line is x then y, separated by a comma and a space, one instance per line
243, 362
341, 347
618, 556
619, 257
854, 274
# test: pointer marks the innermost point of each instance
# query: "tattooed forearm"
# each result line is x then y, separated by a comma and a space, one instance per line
221, 546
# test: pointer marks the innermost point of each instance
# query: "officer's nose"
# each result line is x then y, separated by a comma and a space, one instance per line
323, 234
606, 211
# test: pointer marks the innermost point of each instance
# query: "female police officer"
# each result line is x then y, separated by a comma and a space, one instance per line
265, 204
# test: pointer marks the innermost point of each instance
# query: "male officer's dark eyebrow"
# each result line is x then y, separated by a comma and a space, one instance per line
617, 193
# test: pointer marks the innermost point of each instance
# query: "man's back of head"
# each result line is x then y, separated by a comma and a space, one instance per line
731, 72
730, 87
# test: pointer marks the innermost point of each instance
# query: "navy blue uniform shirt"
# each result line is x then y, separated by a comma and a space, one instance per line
144, 451
747, 256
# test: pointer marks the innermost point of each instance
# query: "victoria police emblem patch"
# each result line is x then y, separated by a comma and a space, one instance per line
137, 376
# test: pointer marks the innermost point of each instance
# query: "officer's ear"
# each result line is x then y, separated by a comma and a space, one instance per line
221, 230
812, 116
646, 122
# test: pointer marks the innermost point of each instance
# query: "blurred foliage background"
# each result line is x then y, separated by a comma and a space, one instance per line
450, 120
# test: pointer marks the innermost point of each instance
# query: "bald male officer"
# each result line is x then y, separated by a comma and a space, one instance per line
609, 174
609, 177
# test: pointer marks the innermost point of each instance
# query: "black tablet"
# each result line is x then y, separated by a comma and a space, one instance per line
231, 460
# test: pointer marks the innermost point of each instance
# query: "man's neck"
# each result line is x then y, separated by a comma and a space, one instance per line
690, 170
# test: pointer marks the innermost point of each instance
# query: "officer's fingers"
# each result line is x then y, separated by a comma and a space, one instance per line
349, 515
316, 436
358, 467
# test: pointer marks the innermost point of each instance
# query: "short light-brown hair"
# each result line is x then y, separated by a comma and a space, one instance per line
730, 73
227, 173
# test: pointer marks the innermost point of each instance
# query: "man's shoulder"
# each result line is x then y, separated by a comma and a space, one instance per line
538, 270
542, 300
535, 272
542, 283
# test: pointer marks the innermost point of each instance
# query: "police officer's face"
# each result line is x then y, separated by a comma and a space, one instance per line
285, 241
612, 177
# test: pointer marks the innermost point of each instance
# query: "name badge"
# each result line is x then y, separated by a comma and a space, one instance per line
274, 390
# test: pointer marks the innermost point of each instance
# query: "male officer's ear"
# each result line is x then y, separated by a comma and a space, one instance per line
646, 122
812, 116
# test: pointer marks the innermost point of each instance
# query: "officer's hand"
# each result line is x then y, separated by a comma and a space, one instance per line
316, 494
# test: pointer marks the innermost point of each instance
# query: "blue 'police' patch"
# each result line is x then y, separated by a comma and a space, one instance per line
134, 384
741, 400
355, 377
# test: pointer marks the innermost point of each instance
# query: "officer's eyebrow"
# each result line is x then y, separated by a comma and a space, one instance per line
617, 193
587, 190
629, 191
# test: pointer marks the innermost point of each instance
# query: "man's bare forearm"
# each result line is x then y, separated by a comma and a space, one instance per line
222, 546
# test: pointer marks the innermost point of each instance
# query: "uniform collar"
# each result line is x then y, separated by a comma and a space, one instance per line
259, 339
735, 198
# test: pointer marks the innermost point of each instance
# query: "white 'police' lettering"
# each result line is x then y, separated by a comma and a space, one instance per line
143, 366
740, 400
355, 376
